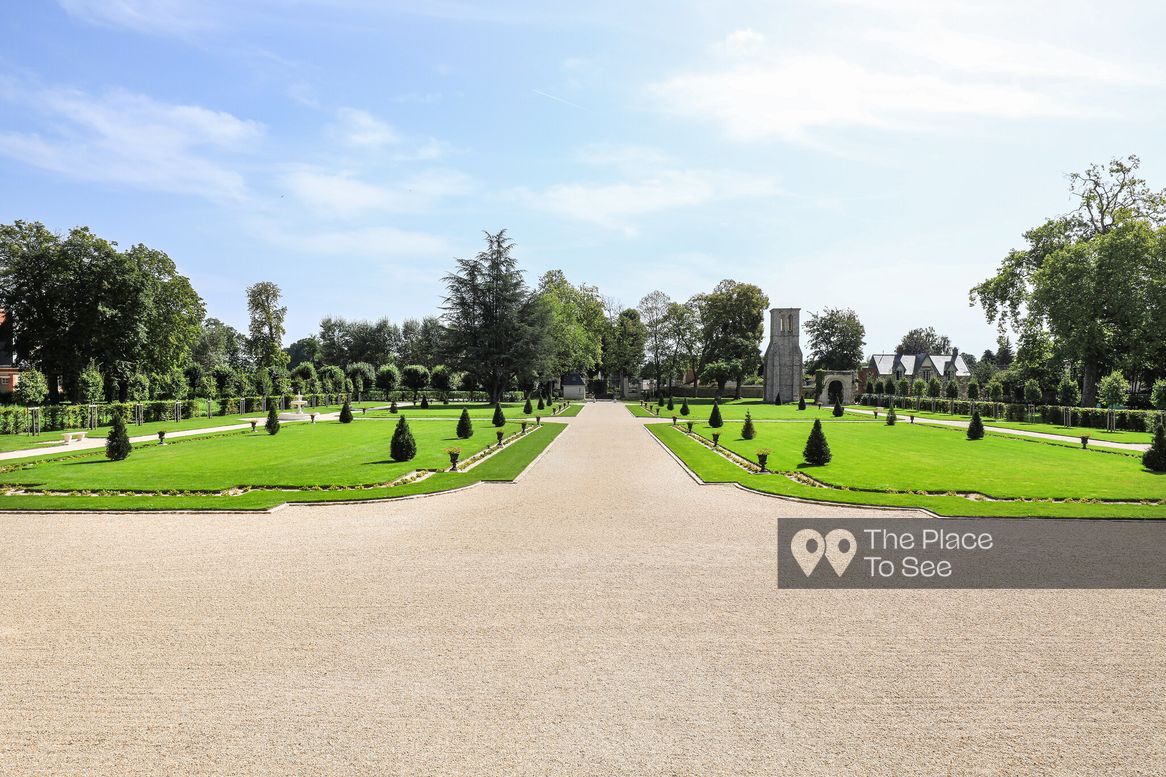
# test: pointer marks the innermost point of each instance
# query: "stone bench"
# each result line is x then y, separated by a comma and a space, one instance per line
73, 436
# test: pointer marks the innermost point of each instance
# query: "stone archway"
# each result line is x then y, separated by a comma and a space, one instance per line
839, 383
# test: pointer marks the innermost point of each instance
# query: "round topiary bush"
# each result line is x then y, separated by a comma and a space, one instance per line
715, 420
527, 409
465, 427
976, 427
346, 413
747, 431
403, 447
838, 408
499, 419
684, 407
801, 403
117, 444
817, 450
1155, 458
272, 425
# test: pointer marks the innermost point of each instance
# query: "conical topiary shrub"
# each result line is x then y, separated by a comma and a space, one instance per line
976, 427
465, 427
117, 444
671, 405
499, 418
891, 418
684, 407
747, 431
801, 403
527, 409
1155, 458
272, 425
393, 406
715, 417
838, 408
817, 450
424, 403
346, 413
541, 405
403, 447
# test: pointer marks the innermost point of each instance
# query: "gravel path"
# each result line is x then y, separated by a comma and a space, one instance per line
603, 615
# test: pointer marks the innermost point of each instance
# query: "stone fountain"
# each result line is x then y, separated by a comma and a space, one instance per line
297, 410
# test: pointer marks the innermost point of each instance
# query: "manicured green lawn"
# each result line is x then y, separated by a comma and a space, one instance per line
759, 410
51, 442
1069, 431
478, 410
904, 458
359, 449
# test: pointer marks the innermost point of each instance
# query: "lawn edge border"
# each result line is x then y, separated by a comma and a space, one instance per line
282, 505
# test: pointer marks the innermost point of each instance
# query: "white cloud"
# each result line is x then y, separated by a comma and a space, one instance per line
620, 203
918, 67
740, 43
126, 138
360, 128
370, 242
344, 195
179, 17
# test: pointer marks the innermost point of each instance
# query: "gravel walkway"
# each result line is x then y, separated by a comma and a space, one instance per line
604, 615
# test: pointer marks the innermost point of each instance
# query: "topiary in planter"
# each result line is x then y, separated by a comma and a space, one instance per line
345, 413
527, 408
976, 427
891, 417
403, 447
801, 403
465, 427
838, 408
424, 403
499, 418
272, 425
817, 450
684, 407
1155, 458
747, 431
117, 444
715, 417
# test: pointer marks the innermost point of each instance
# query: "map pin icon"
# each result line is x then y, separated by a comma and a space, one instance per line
838, 558
807, 559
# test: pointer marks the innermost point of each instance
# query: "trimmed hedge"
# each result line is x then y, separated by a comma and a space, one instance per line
1088, 417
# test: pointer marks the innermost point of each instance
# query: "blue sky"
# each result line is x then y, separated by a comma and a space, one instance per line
881, 155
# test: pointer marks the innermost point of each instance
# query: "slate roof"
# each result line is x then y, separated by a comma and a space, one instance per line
888, 363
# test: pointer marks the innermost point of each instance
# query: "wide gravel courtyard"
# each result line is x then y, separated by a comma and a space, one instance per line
605, 614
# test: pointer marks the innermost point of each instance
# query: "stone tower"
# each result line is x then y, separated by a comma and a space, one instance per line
783, 357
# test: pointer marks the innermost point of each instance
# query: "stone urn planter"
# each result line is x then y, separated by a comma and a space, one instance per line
454, 454
500, 435
1084, 441
689, 423
716, 439
763, 457
161, 436
524, 427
